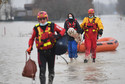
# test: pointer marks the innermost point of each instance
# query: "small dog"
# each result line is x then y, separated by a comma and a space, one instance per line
73, 33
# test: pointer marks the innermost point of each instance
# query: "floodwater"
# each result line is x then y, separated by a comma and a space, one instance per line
108, 69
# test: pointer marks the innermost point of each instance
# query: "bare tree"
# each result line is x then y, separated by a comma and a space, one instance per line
58, 9
120, 6
101, 8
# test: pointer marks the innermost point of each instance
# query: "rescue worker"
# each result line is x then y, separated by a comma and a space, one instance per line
71, 22
45, 38
92, 27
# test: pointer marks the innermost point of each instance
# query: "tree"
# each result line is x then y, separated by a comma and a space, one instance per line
0, 1
120, 6
58, 9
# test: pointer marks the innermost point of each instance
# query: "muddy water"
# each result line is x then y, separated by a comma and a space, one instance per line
108, 69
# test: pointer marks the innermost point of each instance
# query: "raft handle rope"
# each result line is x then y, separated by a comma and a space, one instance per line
63, 58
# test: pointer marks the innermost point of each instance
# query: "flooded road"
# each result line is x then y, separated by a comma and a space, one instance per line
108, 69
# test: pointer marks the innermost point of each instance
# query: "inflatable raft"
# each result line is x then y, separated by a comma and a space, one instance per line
103, 44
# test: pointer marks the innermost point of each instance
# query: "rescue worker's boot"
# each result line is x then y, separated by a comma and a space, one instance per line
85, 60
93, 60
42, 75
51, 77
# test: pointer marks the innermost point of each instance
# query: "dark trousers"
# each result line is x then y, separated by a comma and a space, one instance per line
46, 56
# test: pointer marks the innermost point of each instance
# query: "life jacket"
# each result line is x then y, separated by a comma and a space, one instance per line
44, 40
71, 25
92, 25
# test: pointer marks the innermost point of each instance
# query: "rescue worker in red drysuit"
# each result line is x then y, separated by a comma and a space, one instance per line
92, 27
45, 38
72, 22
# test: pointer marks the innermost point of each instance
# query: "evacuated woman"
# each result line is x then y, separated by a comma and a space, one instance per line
71, 22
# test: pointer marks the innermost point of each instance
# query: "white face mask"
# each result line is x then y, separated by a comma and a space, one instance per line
70, 17
91, 17
43, 24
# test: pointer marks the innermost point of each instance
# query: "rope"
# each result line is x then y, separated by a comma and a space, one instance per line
64, 59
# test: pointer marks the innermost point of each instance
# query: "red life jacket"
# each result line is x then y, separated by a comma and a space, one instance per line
71, 25
92, 25
44, 40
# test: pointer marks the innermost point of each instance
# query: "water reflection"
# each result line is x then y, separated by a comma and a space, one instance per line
72, 72
94, 74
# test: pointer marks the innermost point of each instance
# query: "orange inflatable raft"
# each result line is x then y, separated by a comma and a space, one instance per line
103, 44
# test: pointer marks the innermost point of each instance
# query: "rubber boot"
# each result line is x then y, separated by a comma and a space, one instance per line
85, 60
42, 76
93, 60
51, 77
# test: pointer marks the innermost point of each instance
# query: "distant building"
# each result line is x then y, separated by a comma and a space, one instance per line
29, 13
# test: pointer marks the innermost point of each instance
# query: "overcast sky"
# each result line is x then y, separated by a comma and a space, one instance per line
20, 3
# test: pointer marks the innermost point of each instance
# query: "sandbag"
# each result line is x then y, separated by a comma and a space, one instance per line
61, 46
30, 68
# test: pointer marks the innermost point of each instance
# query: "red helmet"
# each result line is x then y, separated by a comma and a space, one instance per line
42, 14
91, 11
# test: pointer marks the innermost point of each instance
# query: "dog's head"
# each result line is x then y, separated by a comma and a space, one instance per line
71, 31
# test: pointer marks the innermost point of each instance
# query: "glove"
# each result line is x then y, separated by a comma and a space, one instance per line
29, 49
100, 32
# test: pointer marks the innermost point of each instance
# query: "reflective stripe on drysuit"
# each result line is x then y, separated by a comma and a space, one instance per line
44, 41
91, 27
